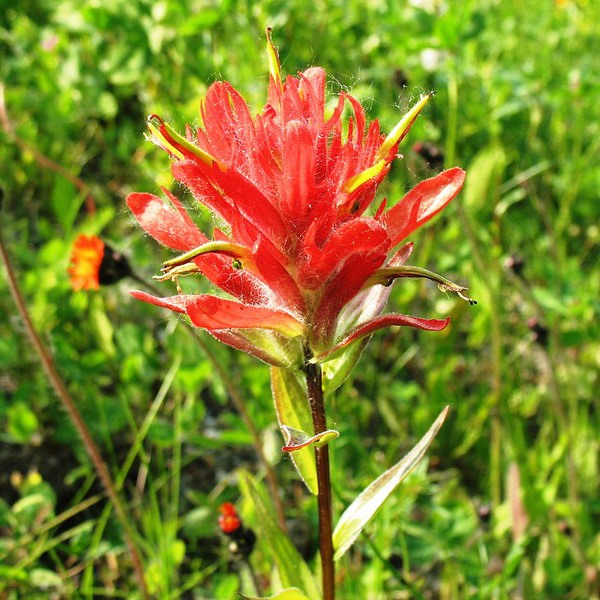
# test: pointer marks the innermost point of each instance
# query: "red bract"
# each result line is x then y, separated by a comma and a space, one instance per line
298, 256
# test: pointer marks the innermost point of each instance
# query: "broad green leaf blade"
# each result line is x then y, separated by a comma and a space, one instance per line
289, 594
368, 502
293, 571
291, 404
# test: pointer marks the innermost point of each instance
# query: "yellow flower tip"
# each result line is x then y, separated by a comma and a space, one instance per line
273, 56
403, 127
175, 144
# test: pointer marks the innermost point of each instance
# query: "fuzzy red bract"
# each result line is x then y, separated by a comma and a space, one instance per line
293, 189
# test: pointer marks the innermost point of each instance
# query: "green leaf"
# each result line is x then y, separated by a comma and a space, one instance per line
32, 508
364, 507
293, 571
22, 422
337, 370
65, 203
198, 522
289, 594
291, 404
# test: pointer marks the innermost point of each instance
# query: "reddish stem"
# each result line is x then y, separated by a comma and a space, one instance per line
314, 382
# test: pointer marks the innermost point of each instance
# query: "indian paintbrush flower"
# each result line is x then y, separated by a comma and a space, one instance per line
302, 261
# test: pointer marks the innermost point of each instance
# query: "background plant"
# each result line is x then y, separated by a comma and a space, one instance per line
516, 106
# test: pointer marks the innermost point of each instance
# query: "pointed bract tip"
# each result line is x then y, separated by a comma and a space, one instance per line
273, 56
177, 145
403, 127
155, 119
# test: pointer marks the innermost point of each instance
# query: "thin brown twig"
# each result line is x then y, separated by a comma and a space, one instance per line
42, 159
78, 422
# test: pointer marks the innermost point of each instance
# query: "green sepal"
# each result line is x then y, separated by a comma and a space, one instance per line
386, 275
402, 127
216, 246
173, 142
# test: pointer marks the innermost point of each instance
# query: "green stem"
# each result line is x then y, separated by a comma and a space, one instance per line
69, 405
486, 271
564, 402
314, 383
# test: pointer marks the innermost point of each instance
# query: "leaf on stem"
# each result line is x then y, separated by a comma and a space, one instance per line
293, 571
291, 404
366, 504
296, 439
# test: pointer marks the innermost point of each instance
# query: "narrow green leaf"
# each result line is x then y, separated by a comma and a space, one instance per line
293, 571
291, 404
289, 594
484, 173
65, 203
364, 507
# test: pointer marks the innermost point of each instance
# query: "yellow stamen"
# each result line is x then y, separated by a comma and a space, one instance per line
179, 271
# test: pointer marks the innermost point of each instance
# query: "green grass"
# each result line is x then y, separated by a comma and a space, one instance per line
516, 105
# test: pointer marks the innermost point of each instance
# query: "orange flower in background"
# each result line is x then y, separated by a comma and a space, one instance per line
86, 259
95, 263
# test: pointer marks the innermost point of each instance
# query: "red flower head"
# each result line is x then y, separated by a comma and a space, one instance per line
303, 266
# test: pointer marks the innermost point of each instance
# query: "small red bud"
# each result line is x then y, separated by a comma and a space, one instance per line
229, 520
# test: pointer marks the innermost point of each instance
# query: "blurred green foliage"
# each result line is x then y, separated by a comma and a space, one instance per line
516, 105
